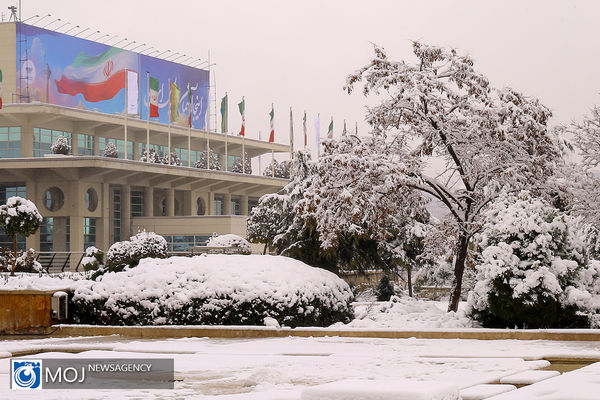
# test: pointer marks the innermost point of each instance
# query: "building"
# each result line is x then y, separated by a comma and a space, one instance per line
88, 199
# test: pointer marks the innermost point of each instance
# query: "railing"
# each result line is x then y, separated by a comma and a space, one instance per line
58, 261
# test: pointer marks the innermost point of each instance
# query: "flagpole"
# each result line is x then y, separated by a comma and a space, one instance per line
272, 163
244, 139
226, 132
191, 105
169, 129
291, 135
148, 118
259, 157
126, 112
304, 129
356, 128
207, 120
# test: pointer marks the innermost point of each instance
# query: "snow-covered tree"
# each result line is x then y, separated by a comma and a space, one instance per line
265, 221
485, 139
532, 272
110, 150
215, 161
19, 216
160, 159
230, 240
237, 165
130, 252
61, 146
280, 169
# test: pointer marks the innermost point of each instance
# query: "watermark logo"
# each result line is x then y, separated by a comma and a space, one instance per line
26, 374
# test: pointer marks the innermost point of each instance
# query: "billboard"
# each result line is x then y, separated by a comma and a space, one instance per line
68, 71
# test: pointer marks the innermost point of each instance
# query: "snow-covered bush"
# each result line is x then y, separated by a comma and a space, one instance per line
215, 290
230, 240
19, 216
237, 165
385, 288
215, 161
61, 146
110, 150
281, 169
532, 271
93, 259
130, 252
26, 261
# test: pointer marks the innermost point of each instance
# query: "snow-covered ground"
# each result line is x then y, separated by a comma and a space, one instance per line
284, 368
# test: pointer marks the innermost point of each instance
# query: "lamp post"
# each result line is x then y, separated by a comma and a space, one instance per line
86, 29
122, 40
70, 29
50, 23
35, 16
63, 25
45, 16
164, 52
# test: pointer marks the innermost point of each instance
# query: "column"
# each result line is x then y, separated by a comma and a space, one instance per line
74, 144
227, 205
244, 205
170, 202
211, 204
26, 140
75, 200
125, 212
189, 203
103, 223
33, 241
148, 202
97, 145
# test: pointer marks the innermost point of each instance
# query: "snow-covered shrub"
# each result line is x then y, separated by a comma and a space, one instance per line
230, 240
385, 288
61, 146
110, 150
215, 290
215, 161
532, 271
155, 158
93, 259
281, 169
237, 165
26, 261
130, 252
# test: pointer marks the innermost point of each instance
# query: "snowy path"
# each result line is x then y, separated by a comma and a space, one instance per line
280, 368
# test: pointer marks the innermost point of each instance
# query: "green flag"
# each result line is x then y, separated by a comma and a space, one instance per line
242, 107
224, 114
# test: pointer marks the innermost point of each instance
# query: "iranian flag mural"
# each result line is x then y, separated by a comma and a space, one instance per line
98, 77
73, 72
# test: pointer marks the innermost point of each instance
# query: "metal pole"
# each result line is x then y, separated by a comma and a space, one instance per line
189, 128
126, 111
148, 118
169, 128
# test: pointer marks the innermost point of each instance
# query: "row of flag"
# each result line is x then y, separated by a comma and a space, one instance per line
174, 99
242, 109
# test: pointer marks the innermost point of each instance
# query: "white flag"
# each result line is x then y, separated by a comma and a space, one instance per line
318, 132
132, 92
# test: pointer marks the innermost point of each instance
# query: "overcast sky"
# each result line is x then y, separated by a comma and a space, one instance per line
298, 53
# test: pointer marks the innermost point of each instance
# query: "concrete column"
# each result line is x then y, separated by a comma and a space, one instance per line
189, 202
33, 241
76, 202
97, 145
210, 207
125, 212
227, 205
59, 234
74, 144
170, 202
244, 205
103, 223
26, 140
148, 201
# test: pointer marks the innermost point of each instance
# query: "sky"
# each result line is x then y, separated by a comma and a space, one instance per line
298, 53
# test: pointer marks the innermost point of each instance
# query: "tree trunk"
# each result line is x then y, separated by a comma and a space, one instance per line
459, 269
265, 249
409, 279
14, 263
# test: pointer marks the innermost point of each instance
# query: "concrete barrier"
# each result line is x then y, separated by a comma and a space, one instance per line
231, 332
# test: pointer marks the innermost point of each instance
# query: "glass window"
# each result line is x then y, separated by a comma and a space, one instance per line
46, 234
158, 149
89, 232
119, 144
116, 215
43, 139
236, 206
137, 203
219, 200
85, 145
10, 142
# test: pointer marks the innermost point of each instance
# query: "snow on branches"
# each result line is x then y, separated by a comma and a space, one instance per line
61, 146
485, 139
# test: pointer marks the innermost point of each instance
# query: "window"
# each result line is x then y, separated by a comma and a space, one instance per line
54, 199
43, 139
158, 149
137, 203
219, 202
89, 232
252, 202
200, 206
119, 144
10, 142
236, 206
180, 243
46, 234
116, 215
85, 145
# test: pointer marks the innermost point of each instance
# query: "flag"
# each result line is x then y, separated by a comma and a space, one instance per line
98, 77
190, 105
344, 132
291, 131
224, 114
318, 131
175, 95
153, 97
304, 129
132, 91
330, 130
242, 107
0, 89
272, 135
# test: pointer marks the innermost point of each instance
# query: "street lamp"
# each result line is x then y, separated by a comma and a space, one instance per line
63, 25
115, 45
70, 29
129, 44
44, 27
138, 46
35, 16
86, 29
91, 34
177, 58
164, 52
